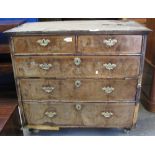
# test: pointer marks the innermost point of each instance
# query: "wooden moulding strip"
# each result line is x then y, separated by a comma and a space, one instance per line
43, 127
135, 115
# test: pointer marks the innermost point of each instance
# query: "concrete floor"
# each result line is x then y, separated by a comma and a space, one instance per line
145, 127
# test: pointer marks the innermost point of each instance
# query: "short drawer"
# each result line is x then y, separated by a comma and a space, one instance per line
109, 44
80, 66
86, 115
44, 44
78, 90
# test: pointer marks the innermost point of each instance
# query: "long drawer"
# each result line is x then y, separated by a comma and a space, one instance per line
116, 44
98, 90
81, 66
89, 115
44, 44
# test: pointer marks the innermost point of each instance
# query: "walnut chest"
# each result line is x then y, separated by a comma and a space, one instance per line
78, 73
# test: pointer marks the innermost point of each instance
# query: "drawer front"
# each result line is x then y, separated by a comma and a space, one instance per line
81, 66
90, 114
44, 44
116, 44
78, 90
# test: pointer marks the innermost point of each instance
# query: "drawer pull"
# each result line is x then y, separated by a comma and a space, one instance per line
50, 114
110, 42
48, 89
109, 66
77, 83
45, 66
78, 106
108, 90
107, 114
77, 61
43, 42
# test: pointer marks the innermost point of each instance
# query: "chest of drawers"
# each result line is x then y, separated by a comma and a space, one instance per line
78, 73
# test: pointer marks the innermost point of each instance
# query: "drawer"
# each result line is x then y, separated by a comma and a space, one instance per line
78, 90
116, 44
88, 114
81, 66
44, 44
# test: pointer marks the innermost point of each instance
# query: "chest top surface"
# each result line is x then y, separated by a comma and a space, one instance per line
77, 27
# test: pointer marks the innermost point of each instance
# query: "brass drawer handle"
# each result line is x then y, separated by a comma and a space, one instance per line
50, 114
107, 114
108, 90
45, 66
48, 89
77, 61
78, 107
43, 42
110, 42
109, 66
77, 83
